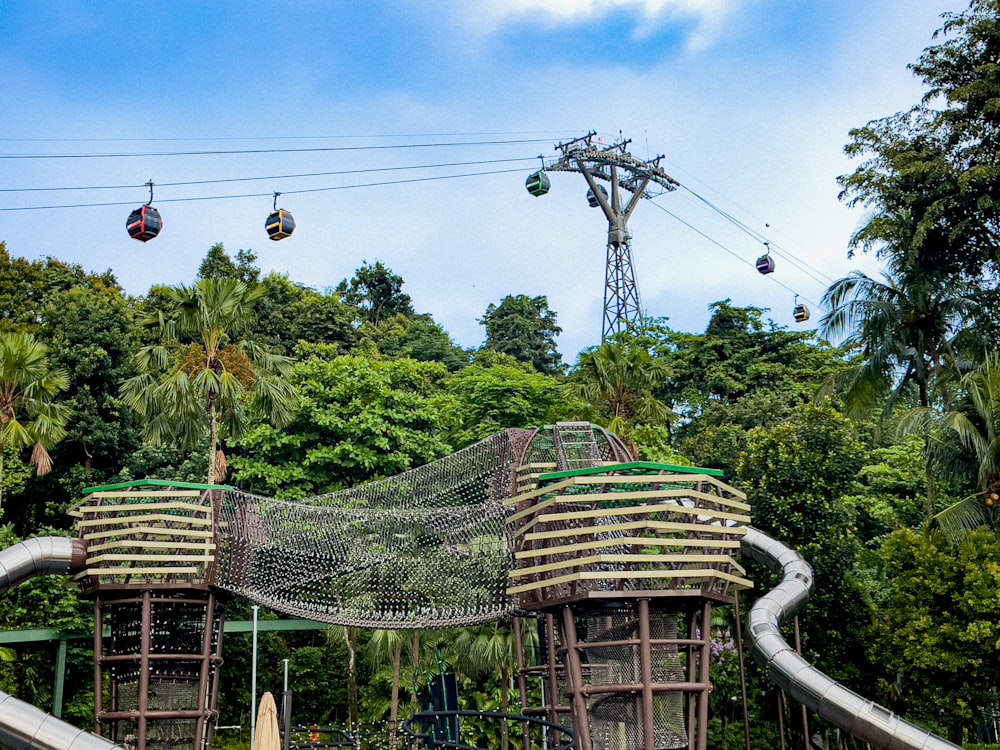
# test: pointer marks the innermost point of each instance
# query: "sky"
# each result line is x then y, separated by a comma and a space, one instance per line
749, 103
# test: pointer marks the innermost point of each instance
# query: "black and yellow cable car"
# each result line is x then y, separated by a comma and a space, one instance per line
800, 312
280, 223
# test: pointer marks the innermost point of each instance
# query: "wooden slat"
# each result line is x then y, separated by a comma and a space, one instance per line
660, 478
644, 523
146, 507
643, 510
149, 493
164, 558
636, 541
148, 544
134, 531
606, 559
144, 518
588, 575
105, 572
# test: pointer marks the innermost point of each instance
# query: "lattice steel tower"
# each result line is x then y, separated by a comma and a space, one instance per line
615, 165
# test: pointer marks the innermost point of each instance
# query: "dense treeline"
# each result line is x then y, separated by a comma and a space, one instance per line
876, 456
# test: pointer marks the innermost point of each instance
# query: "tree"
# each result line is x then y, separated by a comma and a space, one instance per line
497, 392
966, 445
903, 327
617, 381
525, 328
29, 413
207, 379
218, 265
796, 475
376, 292
359, 418
492, 650
937, 629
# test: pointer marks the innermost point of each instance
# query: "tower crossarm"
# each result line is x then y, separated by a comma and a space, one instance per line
632, 174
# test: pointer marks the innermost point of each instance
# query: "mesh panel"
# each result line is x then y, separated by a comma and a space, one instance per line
427, 548
616, 718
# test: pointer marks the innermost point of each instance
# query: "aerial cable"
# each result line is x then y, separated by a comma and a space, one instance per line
260, 195
736, 255
275, 137
781, 252
273, 177
315, 149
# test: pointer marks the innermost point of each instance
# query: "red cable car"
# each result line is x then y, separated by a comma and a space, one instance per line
144, 223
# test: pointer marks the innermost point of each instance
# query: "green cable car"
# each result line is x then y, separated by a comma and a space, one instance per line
538, 183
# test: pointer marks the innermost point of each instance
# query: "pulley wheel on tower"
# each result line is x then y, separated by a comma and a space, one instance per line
592, 200
280, 223
538, 183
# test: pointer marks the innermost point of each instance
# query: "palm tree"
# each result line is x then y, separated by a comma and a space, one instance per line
489, 649
616, 381
28, 414
968, 439
904, 327
202, 375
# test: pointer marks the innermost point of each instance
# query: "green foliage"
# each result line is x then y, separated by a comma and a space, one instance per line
417, 337
46, 602
287, 313
92, 338
525, 328
738, 375
201, 376
498, 392
377, 293
938, 630
795, 475
359, 418
218, 265
890, 490
617, 381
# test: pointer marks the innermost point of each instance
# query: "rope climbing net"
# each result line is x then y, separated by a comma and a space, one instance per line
424, 549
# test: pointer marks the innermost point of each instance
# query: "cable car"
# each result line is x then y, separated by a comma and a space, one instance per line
800, 312
592, 200
538, 183
144, 223
765, 263
280, 223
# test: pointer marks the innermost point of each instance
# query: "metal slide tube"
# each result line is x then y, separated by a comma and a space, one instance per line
22, 726
843, 708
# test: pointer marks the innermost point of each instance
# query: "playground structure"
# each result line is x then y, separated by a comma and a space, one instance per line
621, 562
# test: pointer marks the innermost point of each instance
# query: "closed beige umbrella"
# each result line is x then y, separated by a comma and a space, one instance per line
266, 735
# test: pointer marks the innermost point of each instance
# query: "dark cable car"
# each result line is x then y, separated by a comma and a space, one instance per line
800, 312
280, 223
592, 200
765, 263
144, 223
538, 183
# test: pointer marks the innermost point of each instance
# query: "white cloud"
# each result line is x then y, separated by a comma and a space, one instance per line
650, 15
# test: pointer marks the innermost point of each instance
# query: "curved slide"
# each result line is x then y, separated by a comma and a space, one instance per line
843, 708
22, 726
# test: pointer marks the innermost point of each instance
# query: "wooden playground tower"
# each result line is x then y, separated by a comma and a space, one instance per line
151, 569
623, 561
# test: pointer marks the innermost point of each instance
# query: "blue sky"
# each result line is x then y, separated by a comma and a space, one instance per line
749, 101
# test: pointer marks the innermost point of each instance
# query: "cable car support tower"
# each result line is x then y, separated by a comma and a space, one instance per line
643, 179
